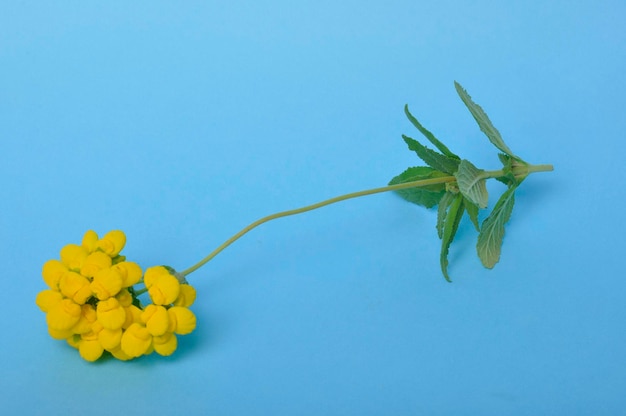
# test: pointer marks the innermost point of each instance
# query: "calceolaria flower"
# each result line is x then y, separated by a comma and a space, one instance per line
93, 304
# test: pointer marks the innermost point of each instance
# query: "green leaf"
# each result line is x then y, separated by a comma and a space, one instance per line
472, 183
444, 203
427, 196
505, 160
418, 173
483, 121
492, 231
450, 226
442, 147
472, 211
507, 166
435, 160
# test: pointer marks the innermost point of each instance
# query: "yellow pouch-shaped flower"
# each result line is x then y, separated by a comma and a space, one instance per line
75, 287
73, 256
136, 340
120, 354
90, 241
182, 320
112, 243
63, 315
164, 290
153, 273
52, 271
186, 297
60, 334
95, 262
87, 318
46, 299
165, 344
124, 298
90, 349
130, 272
111, 314
156, 319
106, 283
133, 315
110, 338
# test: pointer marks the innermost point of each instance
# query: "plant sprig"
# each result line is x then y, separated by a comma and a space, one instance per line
93, 304
467, 193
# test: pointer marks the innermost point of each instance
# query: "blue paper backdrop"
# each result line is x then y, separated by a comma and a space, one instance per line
181, 122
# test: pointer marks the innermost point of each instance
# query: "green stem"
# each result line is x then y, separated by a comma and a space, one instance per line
540, 168
415, 184
519, 171
407, 185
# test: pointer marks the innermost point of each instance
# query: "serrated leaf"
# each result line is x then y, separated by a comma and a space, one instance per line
417, 173
431, 137
450, 226
483, 121
472, 211
433, 159
444, 203
492, 230
472, 183
427, 196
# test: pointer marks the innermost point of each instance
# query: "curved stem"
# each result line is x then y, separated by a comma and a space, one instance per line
407, 185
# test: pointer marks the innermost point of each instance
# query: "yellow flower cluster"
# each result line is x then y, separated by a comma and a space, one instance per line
93, 304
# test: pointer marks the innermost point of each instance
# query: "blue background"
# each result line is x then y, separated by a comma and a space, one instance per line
181, 122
